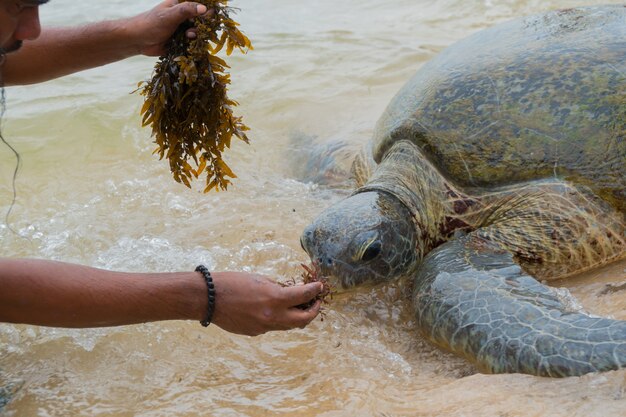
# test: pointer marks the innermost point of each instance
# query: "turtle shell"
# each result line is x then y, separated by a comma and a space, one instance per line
533, 98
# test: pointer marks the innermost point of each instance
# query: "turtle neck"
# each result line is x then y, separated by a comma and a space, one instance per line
408, 176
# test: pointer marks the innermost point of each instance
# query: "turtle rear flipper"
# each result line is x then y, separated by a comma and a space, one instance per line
472, 298
323, 163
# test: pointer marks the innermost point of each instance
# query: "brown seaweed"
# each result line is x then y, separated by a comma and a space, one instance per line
312, 274
186, 101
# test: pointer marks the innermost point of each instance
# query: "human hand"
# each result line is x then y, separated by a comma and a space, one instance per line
252, 304
150, 31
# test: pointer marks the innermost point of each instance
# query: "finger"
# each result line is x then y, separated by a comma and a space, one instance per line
207, 15
191, 33
187, 10
301, 318
300, 294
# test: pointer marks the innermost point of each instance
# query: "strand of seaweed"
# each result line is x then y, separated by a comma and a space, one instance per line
186, 101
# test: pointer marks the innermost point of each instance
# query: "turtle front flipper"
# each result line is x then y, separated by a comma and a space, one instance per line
473, 299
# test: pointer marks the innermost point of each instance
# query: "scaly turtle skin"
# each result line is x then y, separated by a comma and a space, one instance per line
500, 165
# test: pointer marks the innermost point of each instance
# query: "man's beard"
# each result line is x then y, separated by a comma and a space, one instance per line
3, 54
11, 48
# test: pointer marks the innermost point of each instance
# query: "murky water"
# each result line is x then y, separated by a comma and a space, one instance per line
91, 192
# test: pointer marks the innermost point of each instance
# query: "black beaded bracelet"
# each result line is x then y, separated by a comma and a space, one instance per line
211, 293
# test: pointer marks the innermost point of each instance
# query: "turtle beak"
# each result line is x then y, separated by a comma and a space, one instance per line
321, 258
321, 251
305, 240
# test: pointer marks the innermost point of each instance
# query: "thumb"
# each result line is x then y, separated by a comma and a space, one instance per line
300, 294
187, 10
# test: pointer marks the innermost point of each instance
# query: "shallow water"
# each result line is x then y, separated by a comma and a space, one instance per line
89, 191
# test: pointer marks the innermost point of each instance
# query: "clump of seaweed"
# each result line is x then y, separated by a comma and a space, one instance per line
186, 100
312, 274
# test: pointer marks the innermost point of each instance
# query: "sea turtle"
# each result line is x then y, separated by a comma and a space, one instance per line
500, 165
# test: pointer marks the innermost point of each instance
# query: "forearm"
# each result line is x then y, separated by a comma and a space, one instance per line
62, 51
65, 295
59, 52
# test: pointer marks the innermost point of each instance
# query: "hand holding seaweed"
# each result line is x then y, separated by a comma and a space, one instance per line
310, 274
186, 100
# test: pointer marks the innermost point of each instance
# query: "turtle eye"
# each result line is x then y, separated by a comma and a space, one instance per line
372, 251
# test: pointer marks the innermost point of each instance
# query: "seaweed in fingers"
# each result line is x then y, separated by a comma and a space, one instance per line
186, 101
312, 274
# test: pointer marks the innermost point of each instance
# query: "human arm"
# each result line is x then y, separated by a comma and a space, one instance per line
60, 294
62, 51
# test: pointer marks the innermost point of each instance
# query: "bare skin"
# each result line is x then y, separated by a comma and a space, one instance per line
55, 52
57, 294
66, 295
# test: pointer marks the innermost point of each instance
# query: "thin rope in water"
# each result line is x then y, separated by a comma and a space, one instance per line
17, 155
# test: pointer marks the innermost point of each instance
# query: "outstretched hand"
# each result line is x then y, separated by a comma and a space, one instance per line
151, 30
253, 304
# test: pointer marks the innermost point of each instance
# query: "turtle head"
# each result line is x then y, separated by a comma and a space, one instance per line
367, 237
